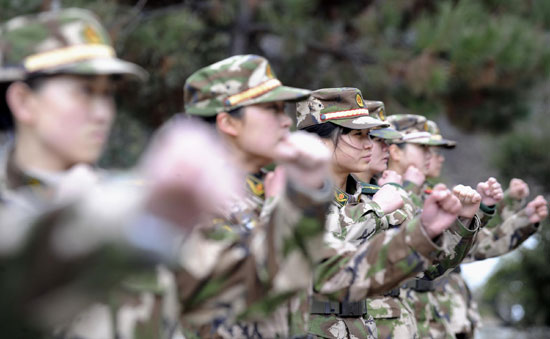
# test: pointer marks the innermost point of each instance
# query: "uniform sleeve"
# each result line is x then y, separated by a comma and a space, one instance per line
231, 276
75, 251
377, 265
457, 242
510, 234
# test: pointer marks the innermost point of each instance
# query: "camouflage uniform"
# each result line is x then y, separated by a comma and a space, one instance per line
283, 234
374, 253
422, 294
71, 42
500, 232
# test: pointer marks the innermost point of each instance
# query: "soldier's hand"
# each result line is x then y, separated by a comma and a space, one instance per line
537, 209
305, 158
78, 181
389, 176
440, 210
490, 191
469, 199
274, 182
388, 199
414, 175
518, 189
189, 173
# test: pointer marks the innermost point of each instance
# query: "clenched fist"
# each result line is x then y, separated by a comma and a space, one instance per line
518, 189
469, 199
188, 173
414, 175
389, 176
537, 209
388, 199
440, 210
305, 158
490, 191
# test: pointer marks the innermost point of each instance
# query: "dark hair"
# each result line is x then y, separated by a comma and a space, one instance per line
34, 81
6, 120
328, 130
236, 113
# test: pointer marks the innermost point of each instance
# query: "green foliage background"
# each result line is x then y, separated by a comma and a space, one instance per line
476, 61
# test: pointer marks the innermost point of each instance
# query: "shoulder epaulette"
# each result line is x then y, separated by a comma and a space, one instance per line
369, 188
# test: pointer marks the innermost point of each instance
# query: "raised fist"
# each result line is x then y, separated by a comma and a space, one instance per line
188, 173
388, 199
389, 176
305, 158
490, 191
518, 189
440, 210
537, 209
469, 199
414, 175
274, 182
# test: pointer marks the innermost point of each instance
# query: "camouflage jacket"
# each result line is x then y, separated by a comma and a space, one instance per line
81, 250
375, 252
506, 229
281, 237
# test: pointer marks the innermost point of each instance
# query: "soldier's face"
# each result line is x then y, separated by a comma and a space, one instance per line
261, 129
436, 163
72, 116
380, 156
353, 152
418, 156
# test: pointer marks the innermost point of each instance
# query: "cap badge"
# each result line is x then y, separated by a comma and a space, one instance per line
359, 100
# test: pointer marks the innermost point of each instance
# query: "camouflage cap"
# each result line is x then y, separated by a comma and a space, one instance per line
377, 110
342, 106
436, 137
238, 81
64, 41
413, 127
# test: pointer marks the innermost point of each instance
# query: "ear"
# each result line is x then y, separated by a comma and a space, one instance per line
228, 124
18, 98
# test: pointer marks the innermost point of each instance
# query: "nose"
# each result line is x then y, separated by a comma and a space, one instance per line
367, 144
286, 121
102, 109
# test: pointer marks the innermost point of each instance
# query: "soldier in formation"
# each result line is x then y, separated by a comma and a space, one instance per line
350, 236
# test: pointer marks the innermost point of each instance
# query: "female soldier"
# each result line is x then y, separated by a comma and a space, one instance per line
242, 97
366, 264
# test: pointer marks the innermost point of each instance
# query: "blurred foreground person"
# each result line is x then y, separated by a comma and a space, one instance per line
68, 231
279, 224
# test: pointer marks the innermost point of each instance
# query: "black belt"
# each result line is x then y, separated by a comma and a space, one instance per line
420, 285
394, 293
341, 309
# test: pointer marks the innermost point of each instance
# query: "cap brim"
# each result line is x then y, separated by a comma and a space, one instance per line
362, 122
443, 143
281, 93
386, 133
104, 66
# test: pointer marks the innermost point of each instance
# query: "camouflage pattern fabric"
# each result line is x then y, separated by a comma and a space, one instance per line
378, 111
342, 106
259, 304
374, 256
415, 129
65, 41
235, 82
42, 274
